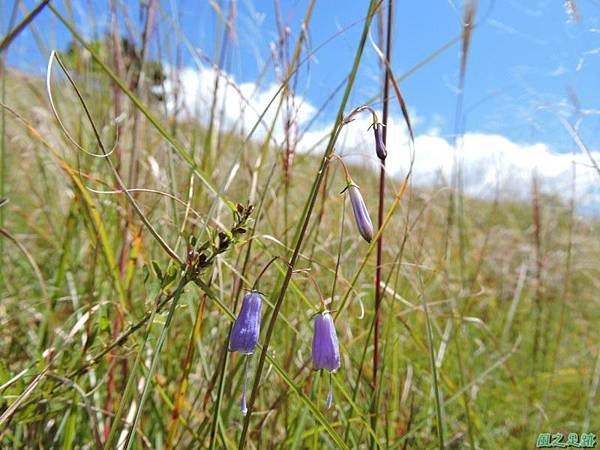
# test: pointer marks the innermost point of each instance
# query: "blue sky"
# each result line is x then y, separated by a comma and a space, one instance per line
524, 58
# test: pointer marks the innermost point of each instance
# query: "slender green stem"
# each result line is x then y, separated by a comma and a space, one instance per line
432, 359
149, 373
236, 296
116, 422
303, 223
12, 34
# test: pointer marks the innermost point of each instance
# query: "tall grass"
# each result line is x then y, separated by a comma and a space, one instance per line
131, 232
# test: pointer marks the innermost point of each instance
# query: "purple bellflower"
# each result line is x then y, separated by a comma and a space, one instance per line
361, 214
244, 335
245, 332
379, 145
325, 348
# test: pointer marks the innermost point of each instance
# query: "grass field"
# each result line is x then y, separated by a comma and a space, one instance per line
116, 306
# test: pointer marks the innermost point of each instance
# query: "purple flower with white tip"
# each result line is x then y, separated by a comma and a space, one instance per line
361, 214
325, 348
379, 145
245, 332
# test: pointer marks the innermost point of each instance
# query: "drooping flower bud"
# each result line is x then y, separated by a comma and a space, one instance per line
246, 329
325, 348
379, 145
361, 214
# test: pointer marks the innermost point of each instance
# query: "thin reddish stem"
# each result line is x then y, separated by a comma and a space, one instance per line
380, 212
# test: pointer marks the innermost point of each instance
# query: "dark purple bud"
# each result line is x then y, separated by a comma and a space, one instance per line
361, 214
325, 347
245, 331
379, 145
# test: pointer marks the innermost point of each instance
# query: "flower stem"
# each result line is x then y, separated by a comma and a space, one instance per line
315, 284
346, 172
380, 212
264, 269
303, 223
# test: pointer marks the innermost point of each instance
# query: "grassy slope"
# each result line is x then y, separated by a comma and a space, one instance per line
512, 391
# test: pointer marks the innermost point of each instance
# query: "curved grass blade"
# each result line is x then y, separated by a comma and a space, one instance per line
178, 147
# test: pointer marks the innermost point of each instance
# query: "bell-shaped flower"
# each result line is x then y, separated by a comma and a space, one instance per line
246, 329
245, 332
325, 348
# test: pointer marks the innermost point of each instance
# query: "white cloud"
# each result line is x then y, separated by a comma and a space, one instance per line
490, 162
239, 105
